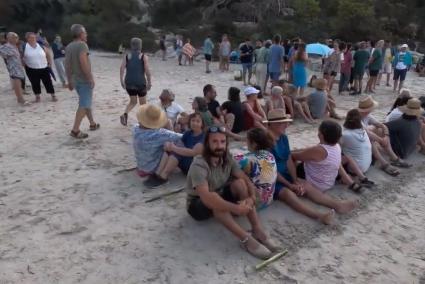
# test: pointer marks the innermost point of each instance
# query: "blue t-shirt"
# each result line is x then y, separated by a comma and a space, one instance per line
281, 152
208, 46
189, 141
276, 57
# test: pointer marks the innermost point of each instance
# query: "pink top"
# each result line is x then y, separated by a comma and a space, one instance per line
323, 174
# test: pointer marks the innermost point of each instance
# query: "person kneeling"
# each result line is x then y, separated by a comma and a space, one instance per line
216, 187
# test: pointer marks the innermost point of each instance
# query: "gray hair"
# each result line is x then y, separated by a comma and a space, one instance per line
77, 30
28, 34
380, 43
11, 35
136, 44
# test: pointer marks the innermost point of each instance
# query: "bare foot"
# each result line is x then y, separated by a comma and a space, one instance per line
347, 206
328, 218
37, 99
54, 99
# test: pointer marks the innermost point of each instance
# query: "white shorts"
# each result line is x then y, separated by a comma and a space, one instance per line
387, 68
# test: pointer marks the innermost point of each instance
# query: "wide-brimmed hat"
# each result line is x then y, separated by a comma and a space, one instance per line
413, 107
250, 91
367, 104
277, 115
320, 84
151, 116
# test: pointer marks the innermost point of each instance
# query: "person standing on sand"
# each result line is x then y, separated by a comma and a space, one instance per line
58, 57
262, 60
12, 58
179, 47
401, 62
208, 49
277, 52
137, 79
246, 59
375, 65
217, 187
80, 77
163, 48
299, 72
224, 52
361, 57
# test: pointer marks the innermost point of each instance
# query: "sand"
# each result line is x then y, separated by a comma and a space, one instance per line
70, 216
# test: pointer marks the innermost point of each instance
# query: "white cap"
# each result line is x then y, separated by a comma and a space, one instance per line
404, 46
250, 91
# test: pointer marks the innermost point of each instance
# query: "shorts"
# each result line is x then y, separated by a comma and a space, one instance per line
332, 73
198, 211
387, 68
275, 76
400, 74
279, 187
137, 92
358, 75
208, 57
286, 58
247, 66
85, 94
373, 73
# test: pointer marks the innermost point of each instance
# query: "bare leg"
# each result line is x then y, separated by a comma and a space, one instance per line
306, 109
79, 115
395, 85
162, 163
90, 116
388, 79
131, 104
169, 167
16, 84
288, 105
299, 108
400, 86
352, 166
142, 100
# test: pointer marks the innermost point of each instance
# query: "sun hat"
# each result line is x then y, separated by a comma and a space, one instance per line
367, 104
151, 116
277, 91
413, 107
320, 84
404, 46
250, 91
277, 115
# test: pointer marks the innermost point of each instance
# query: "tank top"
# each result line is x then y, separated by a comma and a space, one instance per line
35, 58
323, 174
135, 72
249, 120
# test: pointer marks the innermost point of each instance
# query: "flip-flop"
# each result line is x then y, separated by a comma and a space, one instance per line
400, 164
388, 169
94, 127
367, 183
355, 187
78, 135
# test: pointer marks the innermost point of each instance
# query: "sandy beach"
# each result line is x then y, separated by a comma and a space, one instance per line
71, 214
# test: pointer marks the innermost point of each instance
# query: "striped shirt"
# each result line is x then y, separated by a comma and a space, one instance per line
323, 174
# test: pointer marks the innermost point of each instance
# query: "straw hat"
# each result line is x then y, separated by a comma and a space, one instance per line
413, 108
320, 84
277, 115
367, 104
151, 116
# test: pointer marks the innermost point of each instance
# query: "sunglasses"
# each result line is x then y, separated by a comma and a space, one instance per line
217, 129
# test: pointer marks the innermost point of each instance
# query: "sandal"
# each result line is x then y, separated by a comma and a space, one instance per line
270, 244
78, 135
367, 183
94, 127
355, 187
388, 169
260, 252
400, 164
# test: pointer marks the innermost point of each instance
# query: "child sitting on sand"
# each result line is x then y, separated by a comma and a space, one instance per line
179, 154
259, 165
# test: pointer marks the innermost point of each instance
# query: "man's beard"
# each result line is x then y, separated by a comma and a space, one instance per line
218, 153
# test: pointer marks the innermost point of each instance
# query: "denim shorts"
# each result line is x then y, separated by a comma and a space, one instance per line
85, 94
247, 66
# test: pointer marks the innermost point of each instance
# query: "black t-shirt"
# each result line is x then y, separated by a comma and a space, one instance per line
212, 107
237, 110
246, 49
404, 135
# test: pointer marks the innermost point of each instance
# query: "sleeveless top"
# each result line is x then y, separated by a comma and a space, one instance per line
135, 71
249, 120
35, 58
323, 174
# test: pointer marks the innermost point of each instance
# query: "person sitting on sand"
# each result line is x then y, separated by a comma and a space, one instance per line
289, 92
260, 165
233, 108
137, 80
253, 112
378, 132
405, 132
213, 105
149, 137
171, 108
200, 105
217, 187
289, 188
356, 144
318, 101
275, 100
179, 154
401, 100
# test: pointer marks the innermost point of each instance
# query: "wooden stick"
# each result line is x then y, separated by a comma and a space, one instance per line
162, 195
126, 170
270, 260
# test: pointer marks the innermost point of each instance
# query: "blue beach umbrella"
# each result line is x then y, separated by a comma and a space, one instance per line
318, 48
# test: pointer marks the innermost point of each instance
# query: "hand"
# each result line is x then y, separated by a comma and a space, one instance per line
148, 86
70, 86
242, 208
91, 82
297, 189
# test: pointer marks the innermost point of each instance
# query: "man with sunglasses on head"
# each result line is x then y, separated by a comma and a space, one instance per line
216, 187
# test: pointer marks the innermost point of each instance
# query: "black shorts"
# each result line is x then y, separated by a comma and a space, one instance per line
332, 74
400, 74
286, 58
373, 73
137, 92
208, 57
200, 212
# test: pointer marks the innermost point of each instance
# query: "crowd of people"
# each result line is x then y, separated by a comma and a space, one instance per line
224, 185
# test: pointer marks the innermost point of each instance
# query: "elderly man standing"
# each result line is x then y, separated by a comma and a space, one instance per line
80, 77
12, 58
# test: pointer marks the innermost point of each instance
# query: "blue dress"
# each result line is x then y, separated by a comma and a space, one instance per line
299, 74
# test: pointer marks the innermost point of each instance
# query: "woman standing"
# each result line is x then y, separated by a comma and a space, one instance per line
37, 65
333, 65
137, 79
58, 57
299, 73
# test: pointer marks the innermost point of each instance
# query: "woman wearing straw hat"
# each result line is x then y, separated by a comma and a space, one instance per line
149, 137
405, 132
378, 133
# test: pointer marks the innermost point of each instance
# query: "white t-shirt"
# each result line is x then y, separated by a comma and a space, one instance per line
400, 64
35, 58
393, 115
172, 111
355, 143
369, 120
